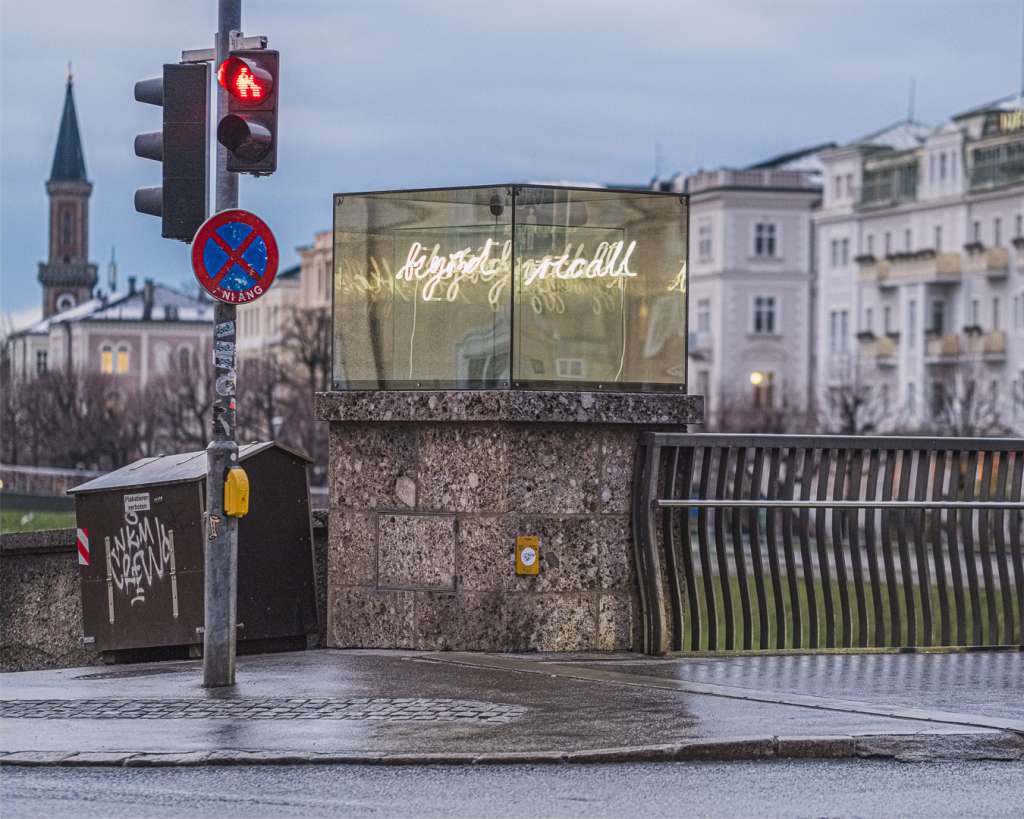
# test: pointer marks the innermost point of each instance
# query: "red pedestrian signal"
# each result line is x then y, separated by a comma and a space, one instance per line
245, 81
249, 129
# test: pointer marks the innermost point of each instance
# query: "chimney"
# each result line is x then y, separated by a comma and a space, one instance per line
147, 300
131, 285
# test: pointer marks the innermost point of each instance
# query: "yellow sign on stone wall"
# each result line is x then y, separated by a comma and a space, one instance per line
527, 554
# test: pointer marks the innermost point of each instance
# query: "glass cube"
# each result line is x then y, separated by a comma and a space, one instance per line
510, 286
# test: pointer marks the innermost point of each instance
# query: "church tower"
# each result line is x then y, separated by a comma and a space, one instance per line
68, 278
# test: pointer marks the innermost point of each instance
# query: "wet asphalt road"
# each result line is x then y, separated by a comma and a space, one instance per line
860, 788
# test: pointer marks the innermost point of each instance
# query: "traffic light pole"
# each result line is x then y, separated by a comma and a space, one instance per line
221, 561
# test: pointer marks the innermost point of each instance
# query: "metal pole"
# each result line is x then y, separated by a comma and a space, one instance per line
221, 561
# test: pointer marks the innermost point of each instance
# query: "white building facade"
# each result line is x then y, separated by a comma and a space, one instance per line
920, 259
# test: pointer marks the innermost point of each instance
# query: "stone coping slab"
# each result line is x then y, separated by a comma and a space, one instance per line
511, 406
926, 747
41, 541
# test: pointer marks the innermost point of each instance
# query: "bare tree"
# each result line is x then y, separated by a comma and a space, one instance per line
850, 404
306, 341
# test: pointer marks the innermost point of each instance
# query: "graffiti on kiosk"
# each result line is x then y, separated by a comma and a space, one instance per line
139, 556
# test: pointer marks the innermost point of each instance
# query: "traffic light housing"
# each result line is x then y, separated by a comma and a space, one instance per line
182, 147
249, 129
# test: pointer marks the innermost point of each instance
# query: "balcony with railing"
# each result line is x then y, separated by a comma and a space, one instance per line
991, 346
923, 266
995, 166
993, 262
943, 349
880, 350
889, 185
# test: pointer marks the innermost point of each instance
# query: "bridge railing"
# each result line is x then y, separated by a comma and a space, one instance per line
776, 542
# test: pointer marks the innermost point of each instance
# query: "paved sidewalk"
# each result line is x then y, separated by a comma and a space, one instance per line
405, 707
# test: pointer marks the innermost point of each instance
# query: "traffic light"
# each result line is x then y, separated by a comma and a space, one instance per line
249, 129
182, 146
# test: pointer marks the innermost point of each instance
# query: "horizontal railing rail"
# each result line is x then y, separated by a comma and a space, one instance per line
768, 542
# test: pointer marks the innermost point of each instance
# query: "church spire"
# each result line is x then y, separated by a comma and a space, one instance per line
68, 159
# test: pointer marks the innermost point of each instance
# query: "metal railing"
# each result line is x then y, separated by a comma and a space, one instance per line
774, 542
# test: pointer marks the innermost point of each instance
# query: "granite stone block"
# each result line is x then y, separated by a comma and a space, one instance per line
616, 615
463, 468
416, 551
352, 549
367, 618
367, 462
615, 480
552, 470
486, 554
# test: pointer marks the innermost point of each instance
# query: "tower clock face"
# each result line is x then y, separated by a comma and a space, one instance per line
65, 301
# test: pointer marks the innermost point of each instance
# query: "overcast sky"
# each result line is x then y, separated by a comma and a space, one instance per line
413, 93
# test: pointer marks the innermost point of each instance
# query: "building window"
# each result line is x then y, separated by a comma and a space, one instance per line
839, 329
911, 324
995, 312
835, 253
122, 358
40, 362
887, 318
845, 250
106, 359
764, 240
849, 185
704, 242
569, 367
838, 184
942, 166
931, 169
833, 332
885, 397
1020, 226
844, 330
184, 359
888, 243
703, 315
871, 245
938, 238
997, 232
869, 322
911, 398
938, 317
764, 315
906, 240
975, 313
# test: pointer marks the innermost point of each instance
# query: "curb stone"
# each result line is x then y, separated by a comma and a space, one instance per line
1002, 746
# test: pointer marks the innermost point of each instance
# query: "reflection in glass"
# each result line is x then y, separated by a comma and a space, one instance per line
424, 284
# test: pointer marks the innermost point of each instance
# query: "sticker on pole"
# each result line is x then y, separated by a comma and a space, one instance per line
234, 256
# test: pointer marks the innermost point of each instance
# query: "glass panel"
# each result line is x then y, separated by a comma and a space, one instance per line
422, 282
600, 289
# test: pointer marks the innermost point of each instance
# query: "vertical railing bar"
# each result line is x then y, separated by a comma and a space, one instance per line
1005, 588
985, 547
957, 467
787, 544
652, 472
838, 489
853, 526
805, 549
738, 551
692, 599
755, 551
906, 572
970, 559
1015, 540
707, 577
924, 585
892, 589
773, 550
724, 578
824, 466
643, 547
668, 524
939, 474
870, 516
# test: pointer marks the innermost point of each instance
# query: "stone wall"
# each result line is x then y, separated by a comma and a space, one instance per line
428, 492
41, 607
41, 603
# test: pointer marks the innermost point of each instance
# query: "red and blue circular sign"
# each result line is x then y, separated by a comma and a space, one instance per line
234, 256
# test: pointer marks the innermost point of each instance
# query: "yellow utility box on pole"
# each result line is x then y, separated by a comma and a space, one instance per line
236, 493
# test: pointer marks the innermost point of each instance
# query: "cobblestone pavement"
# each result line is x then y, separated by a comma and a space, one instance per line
356, 708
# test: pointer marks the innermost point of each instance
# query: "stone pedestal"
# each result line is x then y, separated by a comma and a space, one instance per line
428, 491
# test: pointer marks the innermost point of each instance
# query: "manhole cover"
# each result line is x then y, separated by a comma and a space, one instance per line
371, 709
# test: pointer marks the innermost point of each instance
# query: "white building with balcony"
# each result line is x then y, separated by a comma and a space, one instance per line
920, 259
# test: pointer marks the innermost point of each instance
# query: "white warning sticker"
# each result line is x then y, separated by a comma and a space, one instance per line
138, 502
